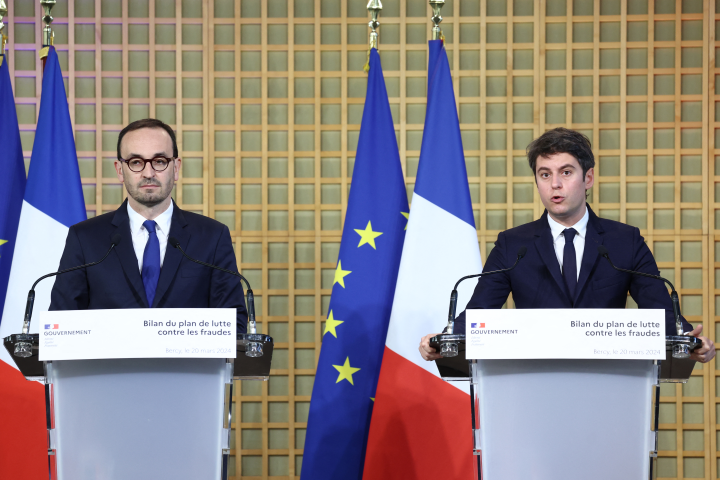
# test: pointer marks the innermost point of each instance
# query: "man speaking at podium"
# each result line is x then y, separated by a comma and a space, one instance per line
144, 271
562, 267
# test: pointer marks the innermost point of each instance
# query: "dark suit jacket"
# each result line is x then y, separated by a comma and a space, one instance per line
537, 281
116, 282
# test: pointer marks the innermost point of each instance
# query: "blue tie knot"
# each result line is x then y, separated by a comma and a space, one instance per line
150, 227
569, 234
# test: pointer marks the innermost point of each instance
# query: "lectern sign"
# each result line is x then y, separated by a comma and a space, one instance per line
567, 333
138, 333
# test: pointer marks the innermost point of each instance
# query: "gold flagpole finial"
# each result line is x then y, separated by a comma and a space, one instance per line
436, 5
3, 37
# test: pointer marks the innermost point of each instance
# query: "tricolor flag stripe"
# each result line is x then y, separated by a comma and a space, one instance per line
421, 426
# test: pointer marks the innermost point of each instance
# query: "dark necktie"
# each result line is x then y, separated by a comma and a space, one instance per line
151, 262
570, 261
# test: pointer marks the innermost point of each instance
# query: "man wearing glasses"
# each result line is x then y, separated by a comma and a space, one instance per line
142, 271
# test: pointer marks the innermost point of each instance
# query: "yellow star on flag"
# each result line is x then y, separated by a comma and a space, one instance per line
367, 236
346, 371
3, 242
330, 325
407, 217
340, 275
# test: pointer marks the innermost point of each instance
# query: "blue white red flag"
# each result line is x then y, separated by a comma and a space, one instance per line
52, 202
421, 425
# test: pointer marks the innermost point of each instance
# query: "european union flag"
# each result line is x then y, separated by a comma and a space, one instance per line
362, 297
12, 177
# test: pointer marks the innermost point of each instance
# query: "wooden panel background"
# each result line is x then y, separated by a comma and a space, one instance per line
267, 96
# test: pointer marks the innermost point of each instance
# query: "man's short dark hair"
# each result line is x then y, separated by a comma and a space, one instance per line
562, 140
148, 123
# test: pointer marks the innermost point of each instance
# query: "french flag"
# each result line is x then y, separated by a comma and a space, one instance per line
53, 202
421, 425
53, 326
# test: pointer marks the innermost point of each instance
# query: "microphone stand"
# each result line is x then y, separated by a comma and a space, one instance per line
26, 340
447, 343
252, 340
682, 343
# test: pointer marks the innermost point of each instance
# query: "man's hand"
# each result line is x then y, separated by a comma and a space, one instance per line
429, 353
706, 351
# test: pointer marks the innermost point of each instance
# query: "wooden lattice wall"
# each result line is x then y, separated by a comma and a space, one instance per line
267, 97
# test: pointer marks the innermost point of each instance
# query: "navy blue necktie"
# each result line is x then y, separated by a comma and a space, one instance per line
151, 262
570, 261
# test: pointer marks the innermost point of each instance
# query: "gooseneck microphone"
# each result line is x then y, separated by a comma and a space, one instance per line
603, 251
454, 294
23, 349
31, 295
252, 328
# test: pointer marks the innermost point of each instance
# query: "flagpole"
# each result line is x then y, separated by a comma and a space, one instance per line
436, 6
3, 37
47, 33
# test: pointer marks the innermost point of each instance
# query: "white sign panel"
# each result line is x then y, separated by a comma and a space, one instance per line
137, 333
565, 333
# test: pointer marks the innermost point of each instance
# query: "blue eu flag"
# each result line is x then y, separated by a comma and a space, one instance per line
362, 296
12, 178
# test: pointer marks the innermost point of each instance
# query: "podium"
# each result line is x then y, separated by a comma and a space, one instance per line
563, 419
126, 418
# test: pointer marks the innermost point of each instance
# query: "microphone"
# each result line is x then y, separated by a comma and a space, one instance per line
23, 349
252, 328
673, 294
454, 294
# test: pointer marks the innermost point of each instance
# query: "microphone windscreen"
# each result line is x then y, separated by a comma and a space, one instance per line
522, 251
116, 239
602, 250
174, 242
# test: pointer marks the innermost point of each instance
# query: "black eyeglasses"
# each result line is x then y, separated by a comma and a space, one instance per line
137, 164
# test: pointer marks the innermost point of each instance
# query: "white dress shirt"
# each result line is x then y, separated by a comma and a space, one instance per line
140, 235
559, 239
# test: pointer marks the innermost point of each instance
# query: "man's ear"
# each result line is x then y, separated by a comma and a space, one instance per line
119, 171
589, 178
176, 167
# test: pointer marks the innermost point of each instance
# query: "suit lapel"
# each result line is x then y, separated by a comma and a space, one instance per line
172, 255
590, 253
544, 245
126, 252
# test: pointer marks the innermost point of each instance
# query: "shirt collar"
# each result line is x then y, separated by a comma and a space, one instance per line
163, 220
556, 229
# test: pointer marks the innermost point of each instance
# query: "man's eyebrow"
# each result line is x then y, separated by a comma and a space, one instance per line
159, 154
567, 165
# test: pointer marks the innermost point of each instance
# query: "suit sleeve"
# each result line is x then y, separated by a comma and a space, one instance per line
226, 290
650, 292
70, 291
492, 291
